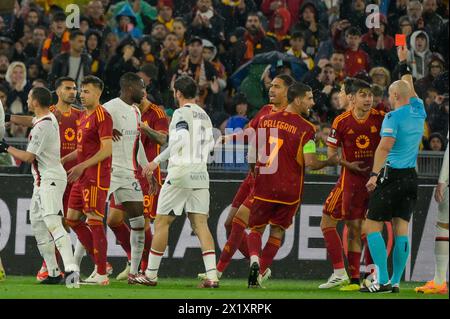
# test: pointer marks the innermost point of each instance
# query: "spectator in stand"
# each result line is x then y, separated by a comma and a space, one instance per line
435, 68
326, 47
334, 107
58, 41
4, 64
145, 55
239, 119
180, 30
279, 28
405, 27
356, 59
380, 45
75, 64
436, 143
170, 54
19, 87
397, 9
323, 133
144, 13
210, 55
414, 11
30, 19
297, 43
165, 13
34, 69
309, 24
93, 45
268, 7
355, 12
337, 60
253, 42
95, 13
420, 54
381, 76
149, 73
32, 48
84, 24
158, 34
379, 95
127, 23
206, 22
430, 96
4, 96
235, 13
39, 83
437, 115
122, 62
433, 21
110, 46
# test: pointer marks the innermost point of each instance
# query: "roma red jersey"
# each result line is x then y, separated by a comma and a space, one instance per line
92, 129
68, 124
156, 119
284, 183
266, 109
357, 138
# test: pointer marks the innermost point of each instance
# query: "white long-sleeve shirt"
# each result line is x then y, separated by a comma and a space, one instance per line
443, 177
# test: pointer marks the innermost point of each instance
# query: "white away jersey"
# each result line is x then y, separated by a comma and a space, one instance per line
188, 163
126, 120
44, 142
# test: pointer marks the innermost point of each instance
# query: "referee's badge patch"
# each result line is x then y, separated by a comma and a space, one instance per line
388, 130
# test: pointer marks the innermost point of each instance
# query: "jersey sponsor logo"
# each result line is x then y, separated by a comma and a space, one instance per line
362, 142
373, 129
69, 134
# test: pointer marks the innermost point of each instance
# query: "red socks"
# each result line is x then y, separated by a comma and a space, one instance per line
84, 235
147, 247
334, 247
254, 243
122, 232
354, 262
269, 252
234, 241
100, 244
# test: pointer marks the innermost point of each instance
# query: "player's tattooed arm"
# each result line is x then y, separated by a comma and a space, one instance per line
157, 136
313, 163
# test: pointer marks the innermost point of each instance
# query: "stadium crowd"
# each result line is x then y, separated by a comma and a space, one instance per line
216, 41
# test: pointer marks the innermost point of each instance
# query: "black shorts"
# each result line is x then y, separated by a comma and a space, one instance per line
395, 195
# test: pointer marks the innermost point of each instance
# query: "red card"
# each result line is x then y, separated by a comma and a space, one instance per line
400, 40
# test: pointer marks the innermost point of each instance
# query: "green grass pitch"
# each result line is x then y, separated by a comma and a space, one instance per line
182, 288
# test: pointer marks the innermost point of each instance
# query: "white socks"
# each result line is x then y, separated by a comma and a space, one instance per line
79, 253
441, 255
46, 246
254, 259
154, 260
137, 240
209, 259
340, 272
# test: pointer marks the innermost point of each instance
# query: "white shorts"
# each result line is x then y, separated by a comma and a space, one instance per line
47, 199
176, 199
125, 190
443, 209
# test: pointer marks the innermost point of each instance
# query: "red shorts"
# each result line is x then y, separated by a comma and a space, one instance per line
249, 200
347, 202
66, 197
244, 191
88, 198
263, 213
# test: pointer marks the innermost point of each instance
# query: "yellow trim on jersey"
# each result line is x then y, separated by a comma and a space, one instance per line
275, 201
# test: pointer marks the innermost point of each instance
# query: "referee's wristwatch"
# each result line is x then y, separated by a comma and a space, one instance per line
372, 174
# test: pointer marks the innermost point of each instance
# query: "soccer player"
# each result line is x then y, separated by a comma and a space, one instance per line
91, 177
50, 180
279, 178
186, 187
357, 133
68, 118
237, 219
2, 269
395, 185
154, 130
127, 155
438, 285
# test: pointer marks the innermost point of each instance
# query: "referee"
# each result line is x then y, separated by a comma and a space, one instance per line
393, 180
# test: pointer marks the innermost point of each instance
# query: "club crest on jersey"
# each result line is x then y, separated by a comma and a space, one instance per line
79, 135
362, 141
69, 134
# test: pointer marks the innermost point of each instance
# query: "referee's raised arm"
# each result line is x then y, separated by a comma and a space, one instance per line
393, 180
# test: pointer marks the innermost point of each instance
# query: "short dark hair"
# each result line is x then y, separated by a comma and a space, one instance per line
150, 70
348, 85
254, 14
359, 84
353, 31
338, 52
95, 81
42, 95
62, 79
75, 33
187, 86
181, 20
296, 90
286, 78
297, 35
59, 16
129, 78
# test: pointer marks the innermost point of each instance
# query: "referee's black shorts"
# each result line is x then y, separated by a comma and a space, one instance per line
394, 196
